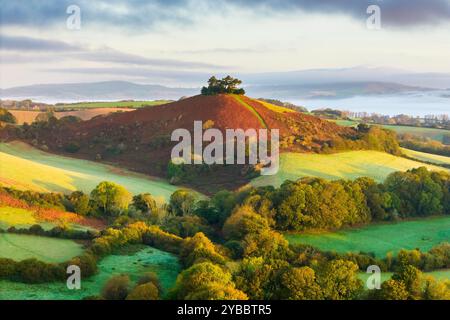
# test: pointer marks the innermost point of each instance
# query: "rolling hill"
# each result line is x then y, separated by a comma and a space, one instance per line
140, 140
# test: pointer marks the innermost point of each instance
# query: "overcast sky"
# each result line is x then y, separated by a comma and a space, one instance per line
178, 42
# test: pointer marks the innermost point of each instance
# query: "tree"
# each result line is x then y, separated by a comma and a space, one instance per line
412, 279
205, 281
111, 197
299, 284
116, 288
244, 221
392, 290
227, 85
182, 202
6, 116
339, 280
145, 203
147, 291
79, 202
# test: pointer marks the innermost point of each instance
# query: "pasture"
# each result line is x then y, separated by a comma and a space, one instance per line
431, 133
23, 116
27, 168
427, 157
20, 247
164, 264
380, 239
345, 165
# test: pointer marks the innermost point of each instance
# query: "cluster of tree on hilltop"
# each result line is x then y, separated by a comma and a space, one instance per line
227, 85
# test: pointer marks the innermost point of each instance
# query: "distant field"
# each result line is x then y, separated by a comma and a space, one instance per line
23, 116
427, 157
114, 104
276, 108
16, 217
26, 168
381, 238
20, 247
434, 134
345, 165
439, 275
164, 264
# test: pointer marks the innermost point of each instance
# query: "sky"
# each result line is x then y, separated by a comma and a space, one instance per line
181, 42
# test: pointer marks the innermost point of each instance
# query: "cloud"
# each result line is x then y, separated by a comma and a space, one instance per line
394, 12
79, 52
114, 56
146, 14
34, 44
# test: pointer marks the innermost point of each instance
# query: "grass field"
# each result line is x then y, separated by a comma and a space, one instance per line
20, 247
113, 104
164, 264
16, 217
26, 168
276, 108
345, 165
439, 275
381, 238
23, 116
427, 157
434, 134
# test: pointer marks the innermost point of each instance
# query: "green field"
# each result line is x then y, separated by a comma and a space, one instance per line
345, 165
431, 133
439, 275
427, 157
20, 247
16, 217
26, 168
112, 104
380, 239
164, 264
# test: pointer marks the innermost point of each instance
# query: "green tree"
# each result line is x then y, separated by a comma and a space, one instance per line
182, 202
299, 284
147, 291
79, 202
393, 290
111, 197
145, 203
339, 280
116, 288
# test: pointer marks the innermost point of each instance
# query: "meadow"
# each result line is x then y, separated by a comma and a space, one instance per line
27, 168
148, 259
427, 157
431, 133
380, 239
440, 275
20, 247
345, 165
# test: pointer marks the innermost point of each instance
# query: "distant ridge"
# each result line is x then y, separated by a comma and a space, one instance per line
96, 91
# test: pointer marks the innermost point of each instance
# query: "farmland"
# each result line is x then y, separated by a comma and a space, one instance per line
26, 168
20, 247
380, 239
112, 104
427, 157
431, 133
345, 165
148, 259
23, 116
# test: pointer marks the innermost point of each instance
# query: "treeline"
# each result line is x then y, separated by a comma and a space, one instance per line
312, 203
424, 145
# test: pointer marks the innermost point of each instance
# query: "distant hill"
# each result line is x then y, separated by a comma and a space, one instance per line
97, 91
